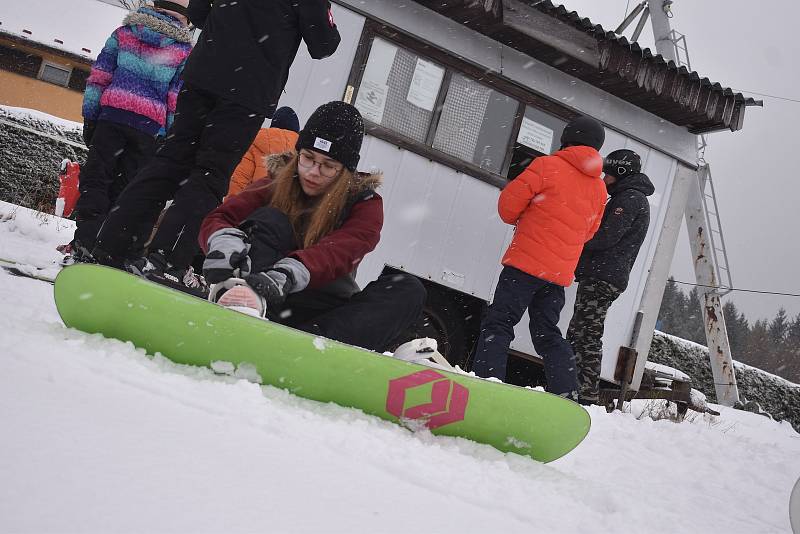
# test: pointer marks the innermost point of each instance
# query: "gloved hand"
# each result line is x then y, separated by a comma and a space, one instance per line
286, 276
88, 131
227, 251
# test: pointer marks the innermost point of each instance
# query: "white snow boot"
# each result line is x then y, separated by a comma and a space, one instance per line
234, 293
422, 350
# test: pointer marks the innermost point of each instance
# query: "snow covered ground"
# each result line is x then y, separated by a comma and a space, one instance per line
95, 436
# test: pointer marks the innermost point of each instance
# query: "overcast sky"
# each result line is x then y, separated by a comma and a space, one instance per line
746, 46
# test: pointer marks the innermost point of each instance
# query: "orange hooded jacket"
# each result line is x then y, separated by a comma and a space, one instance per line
252, 167
557, 205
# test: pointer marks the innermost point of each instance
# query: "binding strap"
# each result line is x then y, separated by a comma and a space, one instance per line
171, 6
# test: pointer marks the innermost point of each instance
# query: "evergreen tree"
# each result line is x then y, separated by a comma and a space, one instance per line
792, 345
758, 341
737, 327
778, 328
670, 315
694, 313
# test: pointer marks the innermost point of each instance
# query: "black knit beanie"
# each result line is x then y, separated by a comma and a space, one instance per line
336, 130
286, 119
584, 131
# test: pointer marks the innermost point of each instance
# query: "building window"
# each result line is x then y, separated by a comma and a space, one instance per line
399, 89
539, 135
428, 101
55, 74
476, 123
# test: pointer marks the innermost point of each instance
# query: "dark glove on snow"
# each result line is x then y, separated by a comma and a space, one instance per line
227, 252
88, 131
286, 276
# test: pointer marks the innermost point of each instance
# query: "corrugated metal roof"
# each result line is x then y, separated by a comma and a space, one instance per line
572, 44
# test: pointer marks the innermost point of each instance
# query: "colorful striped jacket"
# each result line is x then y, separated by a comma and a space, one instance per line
137, 76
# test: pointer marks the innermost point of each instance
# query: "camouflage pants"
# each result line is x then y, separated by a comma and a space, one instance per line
585, 333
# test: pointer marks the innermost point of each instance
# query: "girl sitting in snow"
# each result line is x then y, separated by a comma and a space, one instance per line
129, 99
296, 237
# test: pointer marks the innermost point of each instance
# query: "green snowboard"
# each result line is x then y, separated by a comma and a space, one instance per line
188, 330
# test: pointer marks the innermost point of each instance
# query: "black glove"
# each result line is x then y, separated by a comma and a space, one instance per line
286, 276
227, 251
88, 131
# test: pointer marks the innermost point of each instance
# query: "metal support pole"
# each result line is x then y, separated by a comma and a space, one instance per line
659, 268
630, 18
661, 31
719, 349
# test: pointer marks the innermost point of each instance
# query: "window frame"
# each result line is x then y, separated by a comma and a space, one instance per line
451, 64
47, 63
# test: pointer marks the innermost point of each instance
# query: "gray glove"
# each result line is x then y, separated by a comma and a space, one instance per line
227, 252
286, 276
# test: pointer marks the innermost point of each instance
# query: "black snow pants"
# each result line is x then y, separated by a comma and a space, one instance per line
373, 318
517, 291
115, 155
193, 167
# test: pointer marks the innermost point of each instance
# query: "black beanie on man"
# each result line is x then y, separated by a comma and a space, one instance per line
583, 131
336, 130
622, 163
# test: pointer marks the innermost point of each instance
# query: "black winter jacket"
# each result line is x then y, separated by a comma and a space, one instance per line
247, 46
610, 254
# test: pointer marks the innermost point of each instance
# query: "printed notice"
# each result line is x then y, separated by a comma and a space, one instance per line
535, 136
371, 100
373, 91
425, 84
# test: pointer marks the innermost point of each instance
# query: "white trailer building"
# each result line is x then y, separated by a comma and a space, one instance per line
459, 96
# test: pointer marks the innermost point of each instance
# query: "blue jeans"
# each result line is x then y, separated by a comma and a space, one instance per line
544, 300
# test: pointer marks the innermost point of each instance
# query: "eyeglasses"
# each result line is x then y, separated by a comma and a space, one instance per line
326, 168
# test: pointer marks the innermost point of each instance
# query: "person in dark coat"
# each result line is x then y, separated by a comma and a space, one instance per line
606, 262
232, 81
287, 246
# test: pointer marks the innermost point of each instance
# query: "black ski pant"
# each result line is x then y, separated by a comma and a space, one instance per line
374, 318
517, 291
207, 140
116, 153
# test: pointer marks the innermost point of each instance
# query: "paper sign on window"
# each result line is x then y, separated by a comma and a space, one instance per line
371, 100
535, 136
425, 84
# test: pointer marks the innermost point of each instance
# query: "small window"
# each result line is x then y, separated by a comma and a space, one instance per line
55, 74
398, 90
426, 100
476, 123
539, 135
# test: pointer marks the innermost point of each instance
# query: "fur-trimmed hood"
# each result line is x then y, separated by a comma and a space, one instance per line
364, 180
161, 23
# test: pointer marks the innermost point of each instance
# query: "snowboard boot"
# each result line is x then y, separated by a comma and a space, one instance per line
75, 252
422, 350
236, 294
155, 268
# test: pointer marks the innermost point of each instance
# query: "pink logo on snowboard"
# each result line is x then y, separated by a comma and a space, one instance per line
448, 399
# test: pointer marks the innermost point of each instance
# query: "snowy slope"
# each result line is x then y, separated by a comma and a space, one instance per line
98, 437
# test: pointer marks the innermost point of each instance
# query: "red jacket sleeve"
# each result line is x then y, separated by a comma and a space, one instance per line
517, 195
234, 210
338, 253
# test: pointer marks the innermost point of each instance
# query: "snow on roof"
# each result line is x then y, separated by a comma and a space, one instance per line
80, 27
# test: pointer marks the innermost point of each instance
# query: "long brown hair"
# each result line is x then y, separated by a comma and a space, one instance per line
312, 218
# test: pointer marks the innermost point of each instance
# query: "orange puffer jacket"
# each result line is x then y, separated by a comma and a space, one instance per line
557, 205
252, 167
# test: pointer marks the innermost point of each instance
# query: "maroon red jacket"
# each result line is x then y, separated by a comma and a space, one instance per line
335, 255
